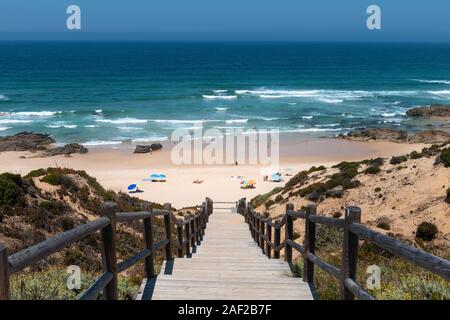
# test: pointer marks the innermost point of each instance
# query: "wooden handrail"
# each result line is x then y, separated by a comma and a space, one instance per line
353, 230
107, 283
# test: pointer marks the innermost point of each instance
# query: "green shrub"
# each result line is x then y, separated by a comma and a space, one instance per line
415, 155
51, 285
279, 198
384, 225
262, 198
60, 179
372, 170
426, 231
296, 180
35, 173
10, 189
314, 169
53, 206
448, 196
377, 162
398, 159
269, 203
445, 157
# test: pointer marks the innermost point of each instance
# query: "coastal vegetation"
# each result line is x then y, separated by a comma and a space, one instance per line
408, 205
49, 201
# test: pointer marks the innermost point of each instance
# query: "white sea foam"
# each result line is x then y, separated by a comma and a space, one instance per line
36, 113
175, 121
333, 101
91, 126
221, 109
440, 93
237, 121
387, 114
122, 120
307, 117
3, 97
101, 143
220, 97
327, 96
4, 128
220, 91
150, 139
14, 121
327, 125
433, 81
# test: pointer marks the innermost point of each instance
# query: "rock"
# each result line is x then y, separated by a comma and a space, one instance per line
147, 149
142, 149
435, 110
26, 141
430, 136
378, 134
314, 196
68, 149
336, 192
156, 146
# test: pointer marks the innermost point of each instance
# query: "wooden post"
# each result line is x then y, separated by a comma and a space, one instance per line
168, 227
188, 236
277, 240
108, 233
289, 234
197, 222
261, 237
180, 241
4, 273
148, 238
349, 252
193, 233
309, 244
269, 238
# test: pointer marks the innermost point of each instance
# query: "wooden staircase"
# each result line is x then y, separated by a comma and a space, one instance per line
227, 265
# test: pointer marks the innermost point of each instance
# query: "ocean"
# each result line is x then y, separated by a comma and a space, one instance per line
109, 92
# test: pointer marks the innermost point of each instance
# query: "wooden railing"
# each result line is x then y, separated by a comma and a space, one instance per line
261, 230
193, 227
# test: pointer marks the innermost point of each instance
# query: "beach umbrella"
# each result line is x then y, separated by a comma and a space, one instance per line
276, 177
251, 182
162, 176
133, 187
154, 176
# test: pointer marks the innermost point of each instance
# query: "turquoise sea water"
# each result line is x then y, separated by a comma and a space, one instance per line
108, 92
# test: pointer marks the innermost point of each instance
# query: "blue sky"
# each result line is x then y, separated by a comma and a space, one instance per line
293, 20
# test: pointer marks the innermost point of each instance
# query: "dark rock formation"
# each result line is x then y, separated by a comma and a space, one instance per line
435, 110
147, 149
430, 136
378, 134
68, 149
26, 141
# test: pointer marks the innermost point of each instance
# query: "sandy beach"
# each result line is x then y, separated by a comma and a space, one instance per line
117, 167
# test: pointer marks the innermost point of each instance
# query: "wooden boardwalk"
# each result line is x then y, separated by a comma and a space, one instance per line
227, 265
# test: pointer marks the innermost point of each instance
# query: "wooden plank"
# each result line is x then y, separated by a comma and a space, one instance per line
33, 254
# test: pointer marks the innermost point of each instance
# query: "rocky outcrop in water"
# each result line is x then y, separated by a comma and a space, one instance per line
435, 110
67, 150
26, 141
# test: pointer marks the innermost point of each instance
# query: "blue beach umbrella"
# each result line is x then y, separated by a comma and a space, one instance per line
276, 177
154, 176
132, 187
162, 176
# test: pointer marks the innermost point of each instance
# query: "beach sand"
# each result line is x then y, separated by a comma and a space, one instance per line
116, 168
